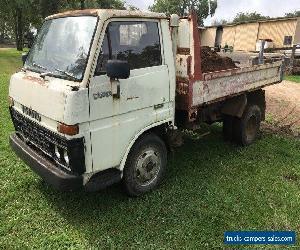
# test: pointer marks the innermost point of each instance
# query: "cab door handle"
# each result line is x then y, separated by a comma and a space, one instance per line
158, 106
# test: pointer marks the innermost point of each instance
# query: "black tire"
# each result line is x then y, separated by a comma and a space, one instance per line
228, 127
247, 129
147, 158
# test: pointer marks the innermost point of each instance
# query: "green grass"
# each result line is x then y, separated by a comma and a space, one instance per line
211, 187
10, 61
293, 78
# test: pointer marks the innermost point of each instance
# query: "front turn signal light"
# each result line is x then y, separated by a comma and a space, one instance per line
68, 129
10, 101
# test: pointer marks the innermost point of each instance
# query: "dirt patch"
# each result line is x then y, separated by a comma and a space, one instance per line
6, 46
211, 61
283, 108
291, 177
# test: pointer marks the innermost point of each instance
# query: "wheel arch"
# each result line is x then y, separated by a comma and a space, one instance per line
158, 128
237, 105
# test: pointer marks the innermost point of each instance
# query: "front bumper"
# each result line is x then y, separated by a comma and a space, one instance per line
56, 177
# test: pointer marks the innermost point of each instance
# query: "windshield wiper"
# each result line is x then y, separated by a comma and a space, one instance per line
43, 75
50, 73
67, 74
38, 65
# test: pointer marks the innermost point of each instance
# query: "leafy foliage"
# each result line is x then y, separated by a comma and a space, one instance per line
16, 16
246, 17
293, 14
293, 78
183, 7
219, 22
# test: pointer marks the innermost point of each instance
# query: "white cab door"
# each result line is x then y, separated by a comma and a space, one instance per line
144, 96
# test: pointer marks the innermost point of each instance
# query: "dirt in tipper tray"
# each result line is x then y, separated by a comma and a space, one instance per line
211, 61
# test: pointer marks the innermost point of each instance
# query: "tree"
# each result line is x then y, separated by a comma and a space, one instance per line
6, 26
16, 16
246, 17
82, 4
220, 22
293, 14
102, 4
203, 8
50, 7
89, 4
132, 7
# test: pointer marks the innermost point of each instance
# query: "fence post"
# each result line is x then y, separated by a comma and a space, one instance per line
261, 52
292, 64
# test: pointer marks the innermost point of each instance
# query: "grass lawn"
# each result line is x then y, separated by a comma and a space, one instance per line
211, 187
293, 78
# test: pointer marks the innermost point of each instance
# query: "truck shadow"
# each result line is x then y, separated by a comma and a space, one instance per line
187, 202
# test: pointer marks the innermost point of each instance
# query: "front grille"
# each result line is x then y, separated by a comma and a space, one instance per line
39, 136
45, 140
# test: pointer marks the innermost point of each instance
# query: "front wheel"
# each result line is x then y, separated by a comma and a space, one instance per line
145, 166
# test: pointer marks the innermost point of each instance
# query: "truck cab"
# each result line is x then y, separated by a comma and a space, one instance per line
76, 123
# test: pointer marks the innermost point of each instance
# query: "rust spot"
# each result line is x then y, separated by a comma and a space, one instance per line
183, 51
222, 73
132, 97
112, 12
182, 79
192, 114
182, 88
182, 93
34, 79
86, 12
188, 66
197, 47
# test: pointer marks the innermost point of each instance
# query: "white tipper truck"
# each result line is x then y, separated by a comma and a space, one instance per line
103, 92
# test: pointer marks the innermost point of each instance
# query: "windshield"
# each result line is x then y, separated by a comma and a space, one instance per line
62, 47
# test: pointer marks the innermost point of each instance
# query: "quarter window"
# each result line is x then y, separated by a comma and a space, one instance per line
135, 42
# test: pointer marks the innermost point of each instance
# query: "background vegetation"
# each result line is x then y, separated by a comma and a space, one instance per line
293, 78
250, 16
203, 8
18, 16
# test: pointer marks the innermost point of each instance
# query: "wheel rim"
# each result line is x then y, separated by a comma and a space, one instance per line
251, 128
147, 167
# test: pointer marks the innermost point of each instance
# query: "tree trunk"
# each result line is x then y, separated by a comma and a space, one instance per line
19, 29
82, 4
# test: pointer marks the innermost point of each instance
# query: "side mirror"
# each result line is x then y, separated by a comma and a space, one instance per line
24, 57
117, 69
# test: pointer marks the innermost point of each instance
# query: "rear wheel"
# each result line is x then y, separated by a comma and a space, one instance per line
145, 166
247, 128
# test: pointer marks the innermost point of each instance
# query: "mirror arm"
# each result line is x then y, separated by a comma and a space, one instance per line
24, 57
115, 87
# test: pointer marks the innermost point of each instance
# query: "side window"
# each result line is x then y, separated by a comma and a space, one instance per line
103, 56
287, 40
137, 43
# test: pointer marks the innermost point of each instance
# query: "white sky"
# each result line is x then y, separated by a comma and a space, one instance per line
227, 9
